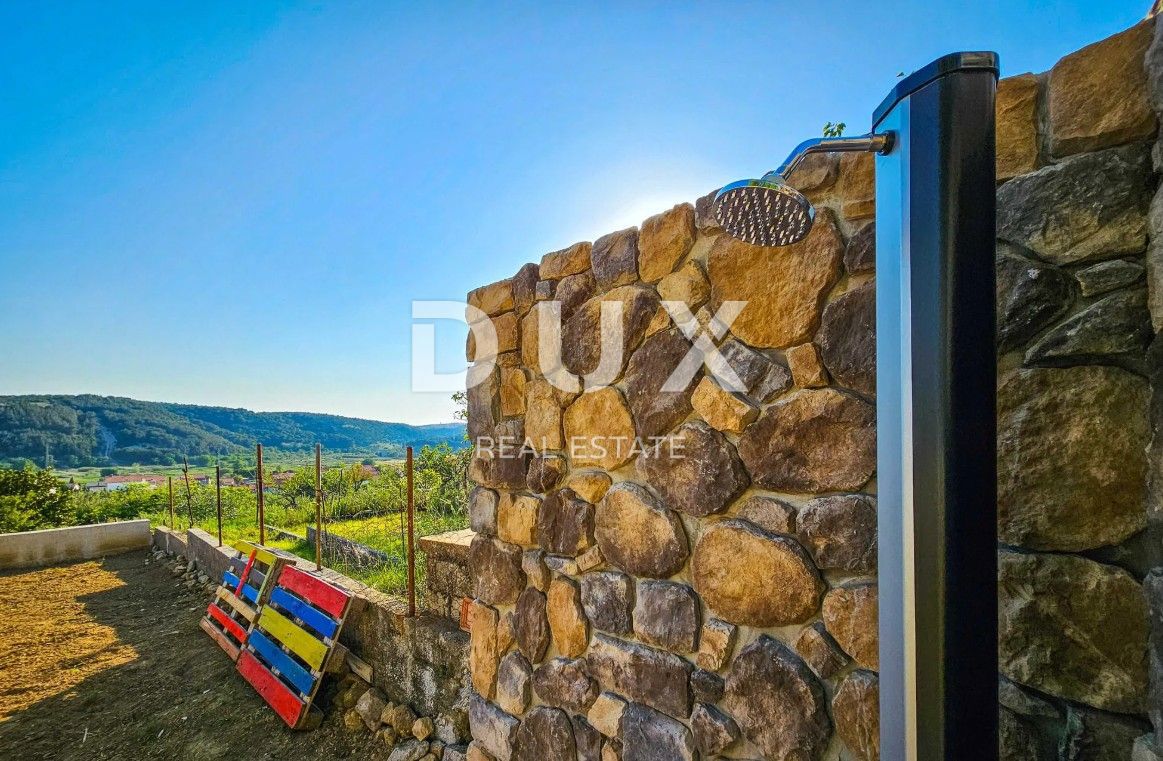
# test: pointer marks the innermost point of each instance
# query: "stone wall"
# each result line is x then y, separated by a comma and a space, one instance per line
716, 596
447, 580
351, 552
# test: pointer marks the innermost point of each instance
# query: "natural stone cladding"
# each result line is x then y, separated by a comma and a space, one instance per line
716, 597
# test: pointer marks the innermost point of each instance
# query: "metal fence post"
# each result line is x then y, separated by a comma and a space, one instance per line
411, 540
218, 499
318, 508
262, 533
189, 496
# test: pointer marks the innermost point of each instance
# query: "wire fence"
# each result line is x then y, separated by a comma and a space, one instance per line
353, 519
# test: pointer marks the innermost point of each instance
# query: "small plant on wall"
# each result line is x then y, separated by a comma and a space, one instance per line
834, 130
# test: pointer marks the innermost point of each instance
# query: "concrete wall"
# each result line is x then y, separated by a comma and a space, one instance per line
62, 545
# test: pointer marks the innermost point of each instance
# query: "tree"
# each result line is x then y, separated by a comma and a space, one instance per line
298, 490
31, 499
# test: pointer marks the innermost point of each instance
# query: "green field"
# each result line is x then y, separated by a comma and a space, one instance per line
281, 461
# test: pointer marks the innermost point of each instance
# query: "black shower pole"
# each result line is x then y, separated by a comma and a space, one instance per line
936, 429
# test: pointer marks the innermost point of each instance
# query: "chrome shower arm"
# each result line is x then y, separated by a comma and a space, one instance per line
870, 143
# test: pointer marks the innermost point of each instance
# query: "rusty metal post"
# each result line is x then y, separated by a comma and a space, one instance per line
318, 507
262, 532
170, 484
411, 540
218, 498
189, 497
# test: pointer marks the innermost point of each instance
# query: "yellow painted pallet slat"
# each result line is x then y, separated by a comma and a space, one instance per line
261, 554
239, 606
302, 644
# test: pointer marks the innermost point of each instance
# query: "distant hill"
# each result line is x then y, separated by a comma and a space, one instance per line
110, 430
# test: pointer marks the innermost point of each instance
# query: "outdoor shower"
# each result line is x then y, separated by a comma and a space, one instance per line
936, 375
768, 211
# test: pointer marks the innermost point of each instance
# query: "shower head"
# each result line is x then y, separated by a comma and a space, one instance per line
768, 211
764, 212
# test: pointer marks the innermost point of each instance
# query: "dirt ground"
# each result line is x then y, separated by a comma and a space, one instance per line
105, 660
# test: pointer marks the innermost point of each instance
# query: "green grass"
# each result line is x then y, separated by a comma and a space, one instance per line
384, 534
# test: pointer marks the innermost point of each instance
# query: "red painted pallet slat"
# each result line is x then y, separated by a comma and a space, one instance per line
285, 703
223, 641
319, 593
228, 623
245, 572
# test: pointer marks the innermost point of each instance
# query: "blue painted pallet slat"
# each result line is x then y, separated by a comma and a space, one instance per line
230, 581
317, 620
290, 670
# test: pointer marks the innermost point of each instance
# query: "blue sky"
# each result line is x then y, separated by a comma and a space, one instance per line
236, 203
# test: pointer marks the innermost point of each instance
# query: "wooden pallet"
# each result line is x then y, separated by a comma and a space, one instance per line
293, 642
244, 589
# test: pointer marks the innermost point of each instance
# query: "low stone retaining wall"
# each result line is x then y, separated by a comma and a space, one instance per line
212, 559
351, 552
173, 542
198, 546
446, 558
420, 661
29, 549
277, 533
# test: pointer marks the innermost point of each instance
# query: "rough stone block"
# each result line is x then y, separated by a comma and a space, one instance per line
493, 730
651, 736
644, 674
784, 291
1073, 628
1071, 457
1088, 207
1017, 126
568, 261
567, 619
492, 299
666, 614
1098, 95
777, 701
850, 613
664, 240
517, 518
856, 710
734, 558
615, 259
840, 532
716, 643
807, 369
